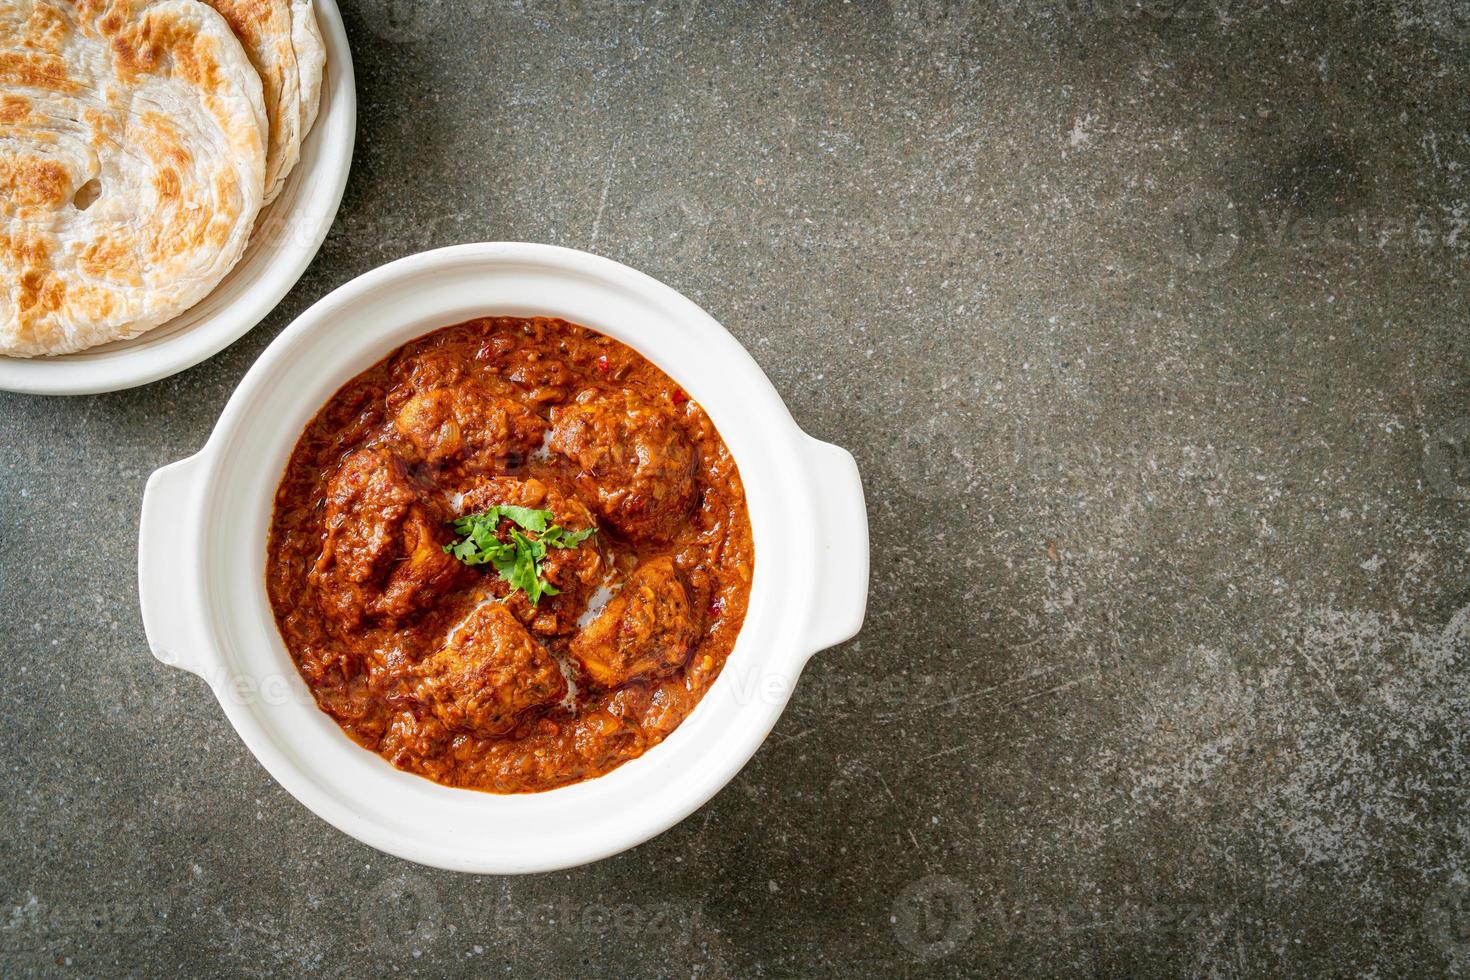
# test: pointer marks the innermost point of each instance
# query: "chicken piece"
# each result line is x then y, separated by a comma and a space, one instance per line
489, 673
465, 423
647, 628
424, 370
382, 555
575, 572
637, 466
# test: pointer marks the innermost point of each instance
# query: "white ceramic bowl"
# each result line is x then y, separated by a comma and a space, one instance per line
286, 238
203, 539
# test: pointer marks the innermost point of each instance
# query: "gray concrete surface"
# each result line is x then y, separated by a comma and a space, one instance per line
1148, 328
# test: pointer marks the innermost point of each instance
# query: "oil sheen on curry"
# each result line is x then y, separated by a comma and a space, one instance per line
513, 555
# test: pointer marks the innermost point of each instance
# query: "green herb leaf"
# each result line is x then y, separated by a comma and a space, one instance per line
531, 520
518, 559
557, 536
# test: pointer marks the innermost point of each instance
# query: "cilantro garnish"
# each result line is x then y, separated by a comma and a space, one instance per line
517, 560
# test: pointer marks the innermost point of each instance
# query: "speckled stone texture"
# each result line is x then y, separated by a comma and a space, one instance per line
1147, 325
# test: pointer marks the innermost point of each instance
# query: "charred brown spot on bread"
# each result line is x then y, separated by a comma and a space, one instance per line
166, 182
25, 250
14, 108
109, 258
46, 30
198, 64
40, 292
133, 49
34, 71
32, 182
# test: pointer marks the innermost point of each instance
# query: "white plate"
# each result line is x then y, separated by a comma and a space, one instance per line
201, 561
286, 238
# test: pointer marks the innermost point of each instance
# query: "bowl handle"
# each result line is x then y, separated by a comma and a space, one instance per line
841, 595
168, 567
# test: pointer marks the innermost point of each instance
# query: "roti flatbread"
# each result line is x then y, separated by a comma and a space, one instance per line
265, 30
311, 58
132, 166
285, 45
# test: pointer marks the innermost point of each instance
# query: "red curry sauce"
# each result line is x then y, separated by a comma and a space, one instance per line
441, 667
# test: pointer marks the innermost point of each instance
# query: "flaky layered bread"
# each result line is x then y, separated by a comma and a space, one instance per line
311, 57
132, 166
283, 43
264, 28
